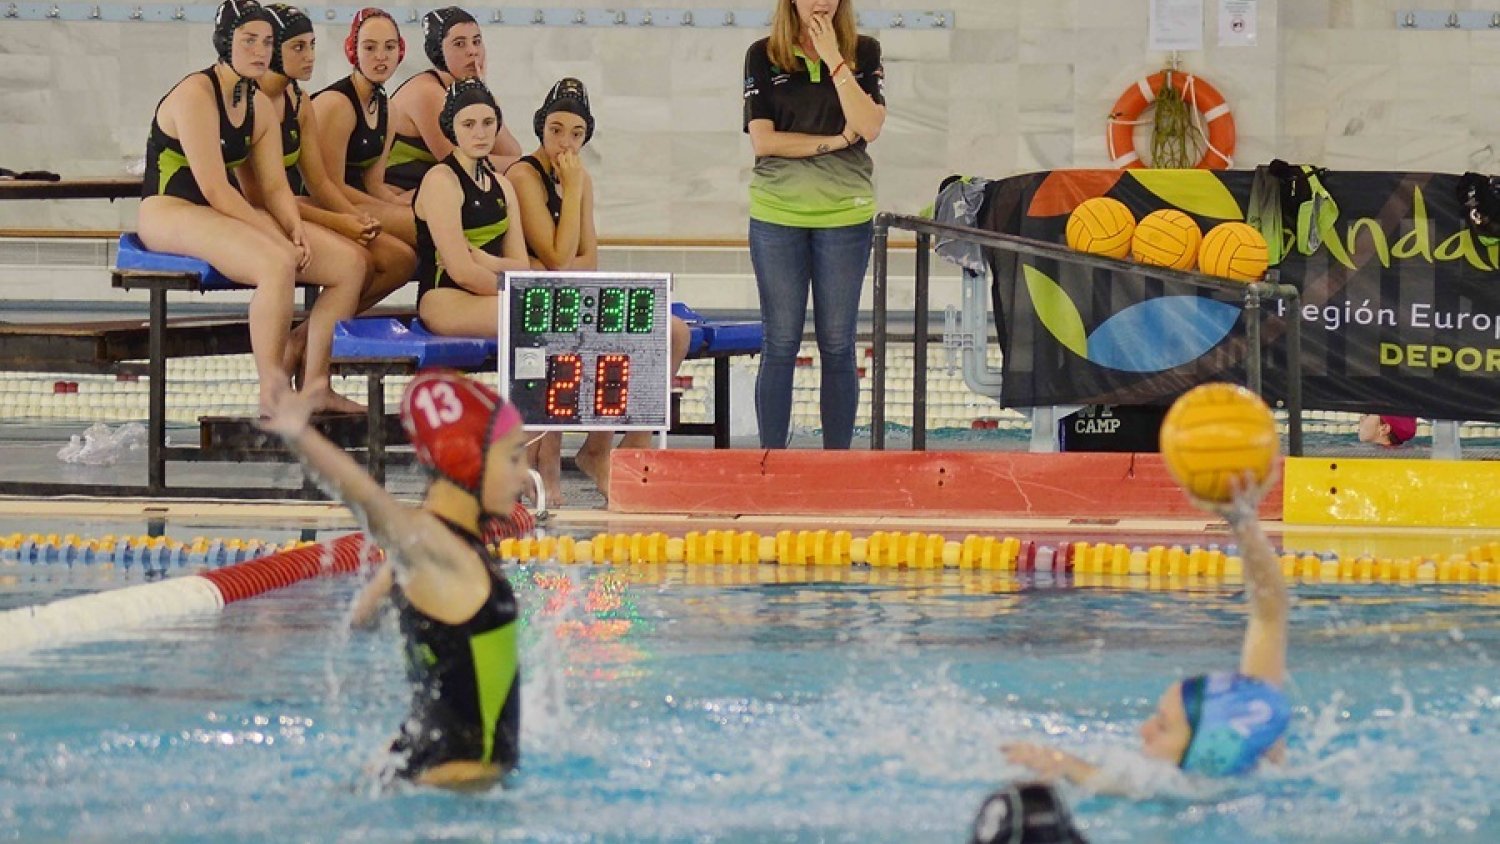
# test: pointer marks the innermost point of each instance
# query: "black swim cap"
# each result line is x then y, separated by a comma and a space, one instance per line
232, 15
435, 27
567, 95
287, 22
465, 92
1025, 813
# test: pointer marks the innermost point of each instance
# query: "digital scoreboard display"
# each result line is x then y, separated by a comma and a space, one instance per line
587, 350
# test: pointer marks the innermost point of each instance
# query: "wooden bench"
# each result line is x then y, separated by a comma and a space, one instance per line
114, 188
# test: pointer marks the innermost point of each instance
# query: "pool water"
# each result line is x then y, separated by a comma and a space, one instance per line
758, 704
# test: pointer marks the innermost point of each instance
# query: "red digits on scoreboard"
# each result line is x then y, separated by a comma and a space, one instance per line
611, 385
564, 375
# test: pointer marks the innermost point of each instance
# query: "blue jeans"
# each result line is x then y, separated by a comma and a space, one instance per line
832, 262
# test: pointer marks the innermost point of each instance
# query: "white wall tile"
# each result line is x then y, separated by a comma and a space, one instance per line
1016, 85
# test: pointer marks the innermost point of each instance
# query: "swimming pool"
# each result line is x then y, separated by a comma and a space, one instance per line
757, 703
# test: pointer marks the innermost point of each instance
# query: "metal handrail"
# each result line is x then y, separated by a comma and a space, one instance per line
925, 229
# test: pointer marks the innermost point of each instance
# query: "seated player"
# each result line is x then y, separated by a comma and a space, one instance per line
355, 126
466, 233
555, 197
344, 265
453, 43
320, 198
210, 125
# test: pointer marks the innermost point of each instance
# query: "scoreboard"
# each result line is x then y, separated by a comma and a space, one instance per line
587, 350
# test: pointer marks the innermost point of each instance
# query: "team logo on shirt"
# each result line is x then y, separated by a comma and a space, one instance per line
751, 87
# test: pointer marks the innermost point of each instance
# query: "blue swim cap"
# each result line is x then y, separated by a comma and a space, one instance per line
1234, 719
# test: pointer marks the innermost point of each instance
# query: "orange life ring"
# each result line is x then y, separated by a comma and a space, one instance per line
1206, 100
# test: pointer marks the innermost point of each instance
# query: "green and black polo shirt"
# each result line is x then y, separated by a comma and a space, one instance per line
824, 191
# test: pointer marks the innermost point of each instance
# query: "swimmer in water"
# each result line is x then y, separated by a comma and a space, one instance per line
457, 610
1218, 724
1025, 813
1388, 431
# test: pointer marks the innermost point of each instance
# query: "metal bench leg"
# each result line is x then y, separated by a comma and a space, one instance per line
375, 425
156, 421
721, 402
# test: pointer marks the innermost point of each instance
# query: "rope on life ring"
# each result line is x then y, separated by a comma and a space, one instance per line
1212, 120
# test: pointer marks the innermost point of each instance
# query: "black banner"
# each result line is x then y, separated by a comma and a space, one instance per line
1400, 303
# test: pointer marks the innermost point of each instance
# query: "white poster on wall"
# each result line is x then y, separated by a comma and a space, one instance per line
1176, 25
1237, 23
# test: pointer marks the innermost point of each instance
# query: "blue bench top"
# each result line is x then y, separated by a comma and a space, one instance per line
133, 255
709, 338
378, 337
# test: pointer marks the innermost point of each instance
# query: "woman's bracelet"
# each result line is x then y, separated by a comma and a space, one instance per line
834, 75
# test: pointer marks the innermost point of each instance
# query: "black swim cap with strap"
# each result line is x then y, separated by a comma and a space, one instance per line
567, 95
465, 92
287, 22
232, 15
435, 27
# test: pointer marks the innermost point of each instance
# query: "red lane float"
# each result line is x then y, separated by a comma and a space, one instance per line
156, 604
255, 577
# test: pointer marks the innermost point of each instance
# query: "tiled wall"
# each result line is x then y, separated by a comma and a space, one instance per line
1017, 85
1363, 95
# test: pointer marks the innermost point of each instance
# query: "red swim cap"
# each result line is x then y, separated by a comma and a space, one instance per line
451, 420
1402, 428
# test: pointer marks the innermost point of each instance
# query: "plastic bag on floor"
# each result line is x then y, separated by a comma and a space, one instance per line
100, 446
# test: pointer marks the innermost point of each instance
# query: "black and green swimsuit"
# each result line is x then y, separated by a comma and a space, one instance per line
291, 141
466, 704
485, 219
410, 158
366, 142
549, 184
167, 171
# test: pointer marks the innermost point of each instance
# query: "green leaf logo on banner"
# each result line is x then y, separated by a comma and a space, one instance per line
1197, 192
1056, 311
